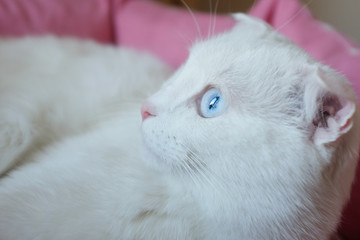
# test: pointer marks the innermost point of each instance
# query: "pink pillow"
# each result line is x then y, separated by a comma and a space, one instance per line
164, 31
81, 18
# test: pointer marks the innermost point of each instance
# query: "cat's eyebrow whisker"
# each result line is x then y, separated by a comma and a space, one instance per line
303, 8
185, 38
210, 19
215, 13
193, 17
252, 5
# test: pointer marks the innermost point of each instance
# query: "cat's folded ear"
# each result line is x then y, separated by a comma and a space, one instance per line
253, 24
330, 105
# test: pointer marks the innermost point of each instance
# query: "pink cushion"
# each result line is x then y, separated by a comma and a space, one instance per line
168, 32
82, 18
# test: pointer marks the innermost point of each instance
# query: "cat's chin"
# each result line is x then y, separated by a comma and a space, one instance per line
152, 159
158, 162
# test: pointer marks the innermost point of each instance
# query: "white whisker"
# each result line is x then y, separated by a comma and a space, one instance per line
215, 12
190, 172
186, 39
295, 15
201, 169
206, 172
193, 17
210, 19
252, 5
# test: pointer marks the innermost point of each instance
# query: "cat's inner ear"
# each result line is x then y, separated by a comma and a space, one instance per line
335, 107
333, 119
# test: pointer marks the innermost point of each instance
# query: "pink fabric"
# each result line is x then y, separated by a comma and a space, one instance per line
82, 18
168, 33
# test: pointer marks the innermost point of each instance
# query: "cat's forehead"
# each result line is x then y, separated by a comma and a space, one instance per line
242, 52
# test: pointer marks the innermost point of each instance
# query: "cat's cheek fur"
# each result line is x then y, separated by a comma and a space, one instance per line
163, 137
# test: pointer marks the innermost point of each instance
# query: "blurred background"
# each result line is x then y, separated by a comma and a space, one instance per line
344, 15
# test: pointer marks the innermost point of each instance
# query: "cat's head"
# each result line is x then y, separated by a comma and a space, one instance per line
248, 110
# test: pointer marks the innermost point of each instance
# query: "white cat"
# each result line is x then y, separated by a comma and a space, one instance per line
249, 139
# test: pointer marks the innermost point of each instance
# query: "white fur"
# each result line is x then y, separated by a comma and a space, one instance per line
77, 164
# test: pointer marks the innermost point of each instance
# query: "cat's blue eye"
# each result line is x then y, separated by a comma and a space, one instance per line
212, 103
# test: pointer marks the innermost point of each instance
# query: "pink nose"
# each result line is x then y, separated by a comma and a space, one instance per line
147, 110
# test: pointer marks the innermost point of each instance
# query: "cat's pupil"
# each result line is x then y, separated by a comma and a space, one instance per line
213, 102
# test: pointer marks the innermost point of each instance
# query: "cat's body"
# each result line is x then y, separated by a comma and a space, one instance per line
263, 165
